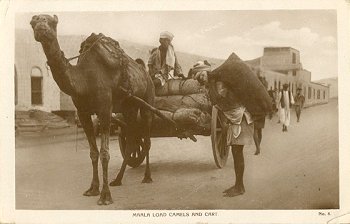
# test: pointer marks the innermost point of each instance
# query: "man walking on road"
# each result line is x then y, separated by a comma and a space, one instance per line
278, 104
286, 100
259, 122
299, 103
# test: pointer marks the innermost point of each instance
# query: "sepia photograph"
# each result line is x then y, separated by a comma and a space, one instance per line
176, 113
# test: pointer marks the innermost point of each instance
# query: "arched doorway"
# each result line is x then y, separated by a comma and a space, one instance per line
36, 80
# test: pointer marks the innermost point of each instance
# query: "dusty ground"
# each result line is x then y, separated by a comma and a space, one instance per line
296, 170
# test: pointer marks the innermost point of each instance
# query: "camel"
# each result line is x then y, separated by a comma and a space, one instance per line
94, 85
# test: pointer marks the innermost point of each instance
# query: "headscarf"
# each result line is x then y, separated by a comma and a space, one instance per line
166, 35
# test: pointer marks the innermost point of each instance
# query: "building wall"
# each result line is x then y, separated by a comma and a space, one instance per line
281, 59
29, 56
66, 103
316, 94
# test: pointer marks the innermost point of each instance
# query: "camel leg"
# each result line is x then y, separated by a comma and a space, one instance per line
105, 119
130, 115
147, 116
85, 120
257, 139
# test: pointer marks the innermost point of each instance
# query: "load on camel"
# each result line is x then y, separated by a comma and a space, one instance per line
94, 85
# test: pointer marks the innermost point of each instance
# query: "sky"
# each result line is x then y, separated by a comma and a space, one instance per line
217, 33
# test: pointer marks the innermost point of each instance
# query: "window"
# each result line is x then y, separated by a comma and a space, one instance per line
309, 93
304, 91
275, 84
292, 87
294, 58
324, 94
36, 86
279, 85
314, 93
294, 72
318, 94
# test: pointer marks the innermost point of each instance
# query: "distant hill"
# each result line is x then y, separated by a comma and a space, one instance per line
333, 86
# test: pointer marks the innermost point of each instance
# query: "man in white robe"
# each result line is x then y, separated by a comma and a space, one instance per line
286, 101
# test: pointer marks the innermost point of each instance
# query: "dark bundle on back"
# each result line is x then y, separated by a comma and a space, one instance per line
243, 82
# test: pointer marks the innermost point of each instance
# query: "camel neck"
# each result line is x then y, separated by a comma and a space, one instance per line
53, 52
59, 66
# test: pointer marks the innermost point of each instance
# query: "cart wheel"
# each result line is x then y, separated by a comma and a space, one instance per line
136, 158
218, 139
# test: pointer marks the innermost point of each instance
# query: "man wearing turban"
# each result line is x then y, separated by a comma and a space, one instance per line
163, 64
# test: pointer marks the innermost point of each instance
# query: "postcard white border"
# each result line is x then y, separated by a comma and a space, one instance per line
8, 213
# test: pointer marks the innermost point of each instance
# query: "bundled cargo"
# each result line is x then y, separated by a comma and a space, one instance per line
244, 84
179, 87
187, 119
172, 103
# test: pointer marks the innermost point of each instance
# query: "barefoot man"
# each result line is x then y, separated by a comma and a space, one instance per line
237, 125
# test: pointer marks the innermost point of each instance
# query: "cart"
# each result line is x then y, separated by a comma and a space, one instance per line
218, 138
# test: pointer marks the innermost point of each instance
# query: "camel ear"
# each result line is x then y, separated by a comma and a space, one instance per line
55, 19
32, 22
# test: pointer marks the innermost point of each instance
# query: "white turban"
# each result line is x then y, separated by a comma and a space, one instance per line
166, 35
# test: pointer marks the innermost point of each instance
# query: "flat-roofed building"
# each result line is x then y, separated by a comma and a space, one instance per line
280, 65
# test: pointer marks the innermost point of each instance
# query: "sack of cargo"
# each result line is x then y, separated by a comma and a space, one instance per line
186, 117
172, 103
244, 84
179, 87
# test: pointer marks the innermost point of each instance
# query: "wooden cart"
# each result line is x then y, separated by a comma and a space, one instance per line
218, 139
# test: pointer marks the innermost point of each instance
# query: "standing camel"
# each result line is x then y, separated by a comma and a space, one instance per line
94, 85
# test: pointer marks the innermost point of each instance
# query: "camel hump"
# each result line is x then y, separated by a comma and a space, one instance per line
110, 51
140, 62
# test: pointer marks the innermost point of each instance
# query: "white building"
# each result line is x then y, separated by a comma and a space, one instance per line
280, 65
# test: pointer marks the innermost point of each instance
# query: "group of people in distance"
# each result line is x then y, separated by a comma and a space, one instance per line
242, 127
283, 101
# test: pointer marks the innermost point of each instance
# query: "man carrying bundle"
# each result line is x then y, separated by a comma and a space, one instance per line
163, 64
236, 91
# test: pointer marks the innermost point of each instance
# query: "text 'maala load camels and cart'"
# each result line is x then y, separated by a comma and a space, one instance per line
106, 80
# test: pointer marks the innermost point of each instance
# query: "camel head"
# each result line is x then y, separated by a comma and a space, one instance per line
44, 27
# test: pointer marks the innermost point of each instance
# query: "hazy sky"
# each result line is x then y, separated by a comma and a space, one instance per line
218, 33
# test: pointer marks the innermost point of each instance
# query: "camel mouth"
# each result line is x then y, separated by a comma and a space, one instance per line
42, 33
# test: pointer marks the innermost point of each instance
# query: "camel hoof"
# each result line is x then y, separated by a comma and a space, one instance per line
92, 192
257, 153
105, 198
115, 183
147, 180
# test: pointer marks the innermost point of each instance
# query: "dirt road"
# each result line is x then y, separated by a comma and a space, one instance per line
296, 170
